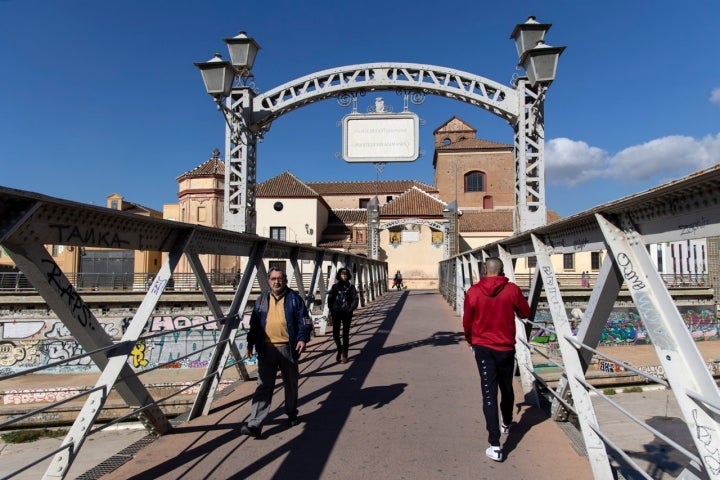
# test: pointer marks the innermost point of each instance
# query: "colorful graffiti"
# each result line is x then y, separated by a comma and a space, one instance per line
187, 343
625, 327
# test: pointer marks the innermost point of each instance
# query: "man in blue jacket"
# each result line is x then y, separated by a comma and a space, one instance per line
278, 334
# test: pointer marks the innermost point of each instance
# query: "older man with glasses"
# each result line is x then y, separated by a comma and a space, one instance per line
278, 333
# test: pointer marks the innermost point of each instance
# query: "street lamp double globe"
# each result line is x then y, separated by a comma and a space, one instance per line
219, 75
538, 59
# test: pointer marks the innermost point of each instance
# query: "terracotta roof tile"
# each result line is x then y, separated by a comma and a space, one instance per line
211, 168
285, 185
351, 216
414, 202
474, 144
368, 187
487, 221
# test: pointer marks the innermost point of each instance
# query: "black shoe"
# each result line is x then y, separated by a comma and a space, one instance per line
337, 357
250, 431
293, 421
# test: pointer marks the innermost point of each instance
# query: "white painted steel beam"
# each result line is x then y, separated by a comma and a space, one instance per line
594, 446
680, 358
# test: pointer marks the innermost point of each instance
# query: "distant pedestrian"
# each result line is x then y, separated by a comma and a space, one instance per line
489, 323
398, 280
278, 333
342, 300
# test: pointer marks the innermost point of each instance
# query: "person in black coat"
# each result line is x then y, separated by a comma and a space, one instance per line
342, 300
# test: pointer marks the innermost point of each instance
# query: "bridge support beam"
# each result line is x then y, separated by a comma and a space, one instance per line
694, 388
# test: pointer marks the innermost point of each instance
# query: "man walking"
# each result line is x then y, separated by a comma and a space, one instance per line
489, 323
279, 335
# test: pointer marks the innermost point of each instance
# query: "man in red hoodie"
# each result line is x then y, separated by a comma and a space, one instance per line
489, 324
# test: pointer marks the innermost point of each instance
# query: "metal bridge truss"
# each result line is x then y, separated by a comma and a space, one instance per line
249, 116
682, 210
30, 221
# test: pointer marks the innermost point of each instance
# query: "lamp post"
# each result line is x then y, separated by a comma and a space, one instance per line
540, 63
229, 84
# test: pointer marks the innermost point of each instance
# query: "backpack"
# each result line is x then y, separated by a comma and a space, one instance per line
341, 303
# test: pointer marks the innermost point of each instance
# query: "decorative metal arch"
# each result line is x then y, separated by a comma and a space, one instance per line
492, 96
249, 115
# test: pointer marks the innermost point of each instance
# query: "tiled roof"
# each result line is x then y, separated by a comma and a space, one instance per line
339, 220
454, 125
493, 220
368, 187
213, 167
285, 185
487, 221
350, 216
474, 144
552, 216
136, 206
413, 202
332, 244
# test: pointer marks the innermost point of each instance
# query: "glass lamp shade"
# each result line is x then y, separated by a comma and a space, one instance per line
218, 76
540, 63
528, 34
242, 51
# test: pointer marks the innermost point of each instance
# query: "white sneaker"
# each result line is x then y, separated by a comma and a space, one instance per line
504, 429
494, 453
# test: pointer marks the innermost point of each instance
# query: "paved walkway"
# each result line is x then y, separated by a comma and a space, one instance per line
406, 406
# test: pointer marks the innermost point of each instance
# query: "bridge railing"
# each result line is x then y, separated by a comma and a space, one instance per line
685, 209
117, 353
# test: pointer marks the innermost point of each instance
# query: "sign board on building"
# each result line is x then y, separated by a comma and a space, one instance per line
381, 137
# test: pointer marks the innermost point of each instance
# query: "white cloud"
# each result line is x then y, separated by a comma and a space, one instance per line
572, 162
715, 96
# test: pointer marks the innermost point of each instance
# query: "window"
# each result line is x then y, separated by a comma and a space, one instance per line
201, 216
531, 262
595, 259
474, 182
364, 202
388, 199
568, 261
114, 205
487, 202
277, 233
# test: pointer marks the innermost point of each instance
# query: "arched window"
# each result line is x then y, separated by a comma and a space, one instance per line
474, 182
446, 142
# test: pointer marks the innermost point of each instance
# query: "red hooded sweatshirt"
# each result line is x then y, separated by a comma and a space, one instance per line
489, 313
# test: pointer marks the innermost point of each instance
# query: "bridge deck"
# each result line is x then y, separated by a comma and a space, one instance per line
407, 405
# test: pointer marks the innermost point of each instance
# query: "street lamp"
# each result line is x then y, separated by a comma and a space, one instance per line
220, 75
538, 59
228, 83
243, 50
540, 63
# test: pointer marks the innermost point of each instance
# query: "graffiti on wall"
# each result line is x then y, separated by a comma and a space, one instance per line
187, 343
625, 327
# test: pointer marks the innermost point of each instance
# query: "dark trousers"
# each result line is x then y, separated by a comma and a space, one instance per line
270, 359
496, 371
341, 319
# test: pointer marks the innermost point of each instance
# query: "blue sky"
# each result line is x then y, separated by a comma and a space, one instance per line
103, 97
